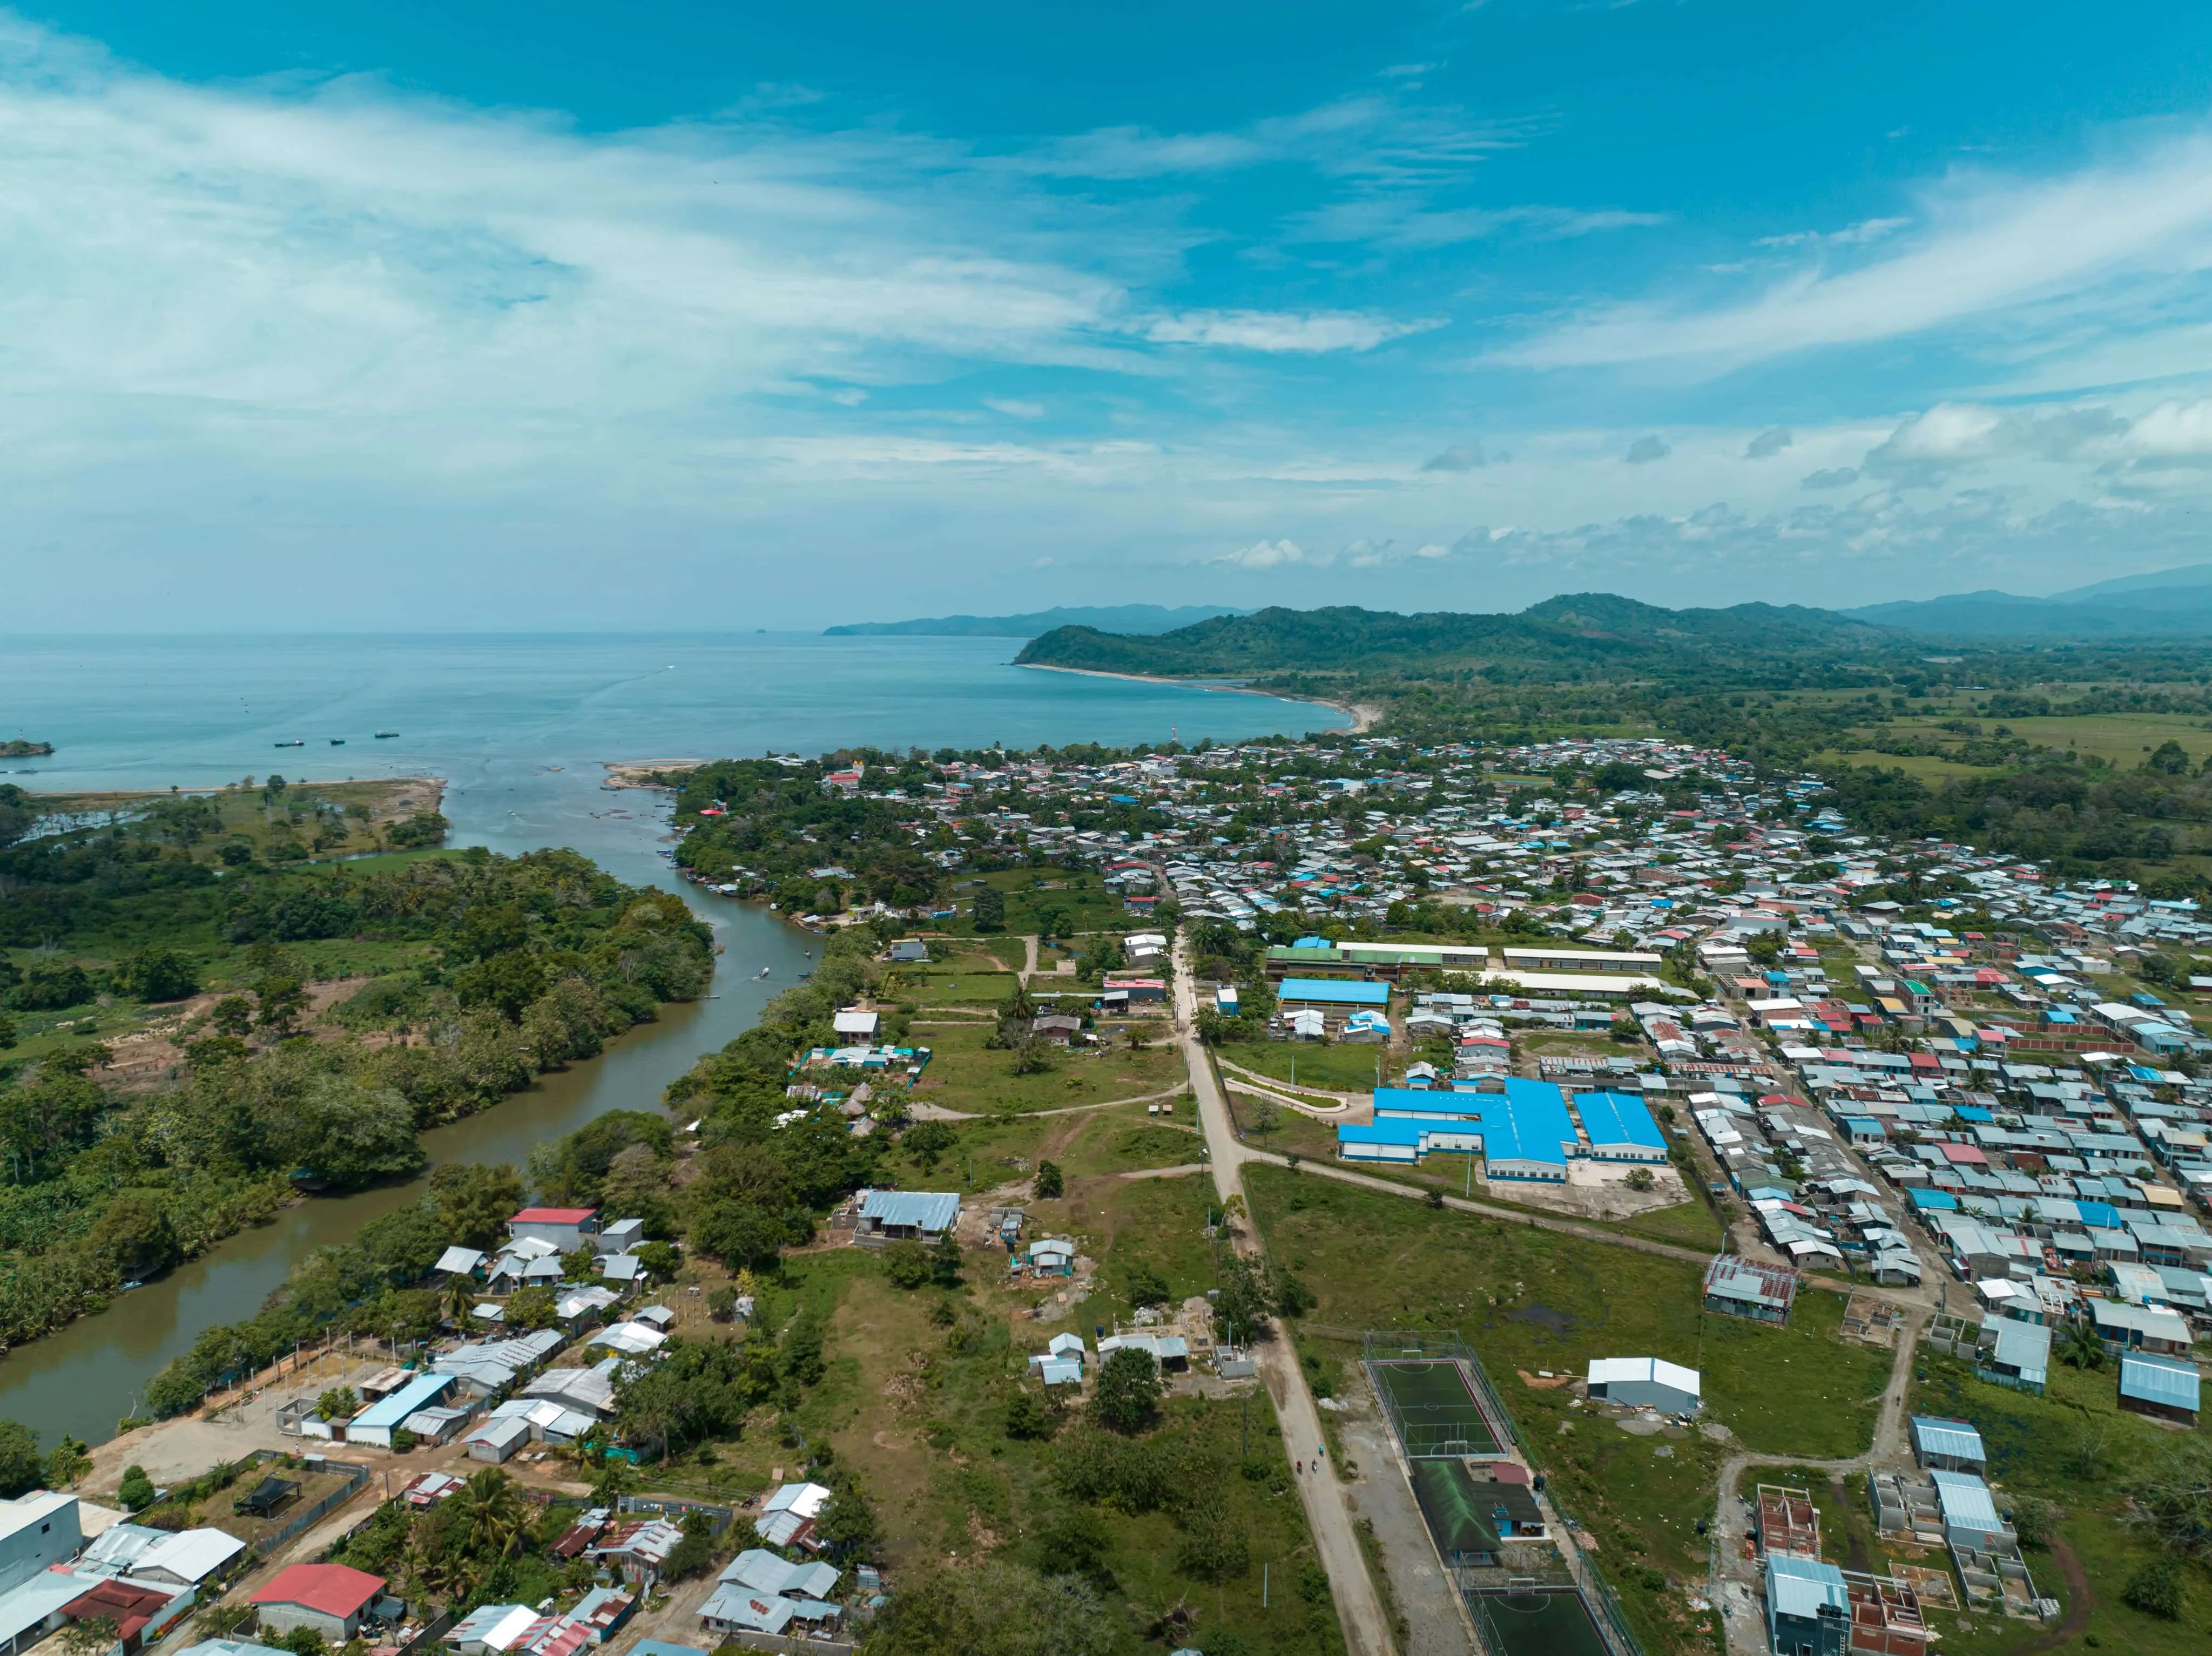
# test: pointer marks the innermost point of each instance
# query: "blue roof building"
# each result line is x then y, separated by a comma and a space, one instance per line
1333, 992
376, 1423
1952, 1445
2166, 1388
908, 1214
1620, 1129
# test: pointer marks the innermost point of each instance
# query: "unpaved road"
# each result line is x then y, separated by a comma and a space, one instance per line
1359, 1606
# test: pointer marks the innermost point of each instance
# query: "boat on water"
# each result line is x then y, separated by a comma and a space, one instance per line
385, 735
337, 742
295, 742
758, 975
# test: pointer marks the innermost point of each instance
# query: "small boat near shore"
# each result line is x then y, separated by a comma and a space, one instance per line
296, 742
758, 975
337, 742
385, 735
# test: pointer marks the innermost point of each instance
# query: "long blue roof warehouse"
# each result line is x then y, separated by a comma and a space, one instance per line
1619, 1128
1525, 1132
1333, 992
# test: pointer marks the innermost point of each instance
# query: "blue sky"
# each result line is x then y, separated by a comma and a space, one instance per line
479, 314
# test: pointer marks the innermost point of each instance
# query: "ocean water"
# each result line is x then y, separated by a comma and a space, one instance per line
495, 714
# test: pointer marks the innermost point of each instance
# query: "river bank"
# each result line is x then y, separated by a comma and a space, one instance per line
1364, 715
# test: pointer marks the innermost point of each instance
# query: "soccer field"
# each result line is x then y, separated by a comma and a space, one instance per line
1552, 1623
1433, 1409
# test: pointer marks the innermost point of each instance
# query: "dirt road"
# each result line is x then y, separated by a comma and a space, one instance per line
1359, 1606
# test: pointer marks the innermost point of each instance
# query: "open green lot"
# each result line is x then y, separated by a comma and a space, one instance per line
1041, 899
1528, 1300
1340, 1069
965, 1075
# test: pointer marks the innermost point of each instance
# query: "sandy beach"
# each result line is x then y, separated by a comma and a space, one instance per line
1365, 716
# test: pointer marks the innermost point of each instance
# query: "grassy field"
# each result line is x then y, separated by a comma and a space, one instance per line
1335, 1069
1530, 1299
964, 1074
1076, 903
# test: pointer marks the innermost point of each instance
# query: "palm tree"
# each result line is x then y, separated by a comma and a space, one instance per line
490, 1516
460, 1299
2081, 1347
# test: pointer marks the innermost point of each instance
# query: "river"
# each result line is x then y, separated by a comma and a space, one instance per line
521, 729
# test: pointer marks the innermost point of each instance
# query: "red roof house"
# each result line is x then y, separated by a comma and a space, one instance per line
133, 1606
328, 1598
566, 1229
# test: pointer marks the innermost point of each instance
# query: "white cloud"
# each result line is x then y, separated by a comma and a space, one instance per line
1644, 449
1015, 407
1851, 236
2174, 430
1283, 331
1269, 554
1769, 443
1988, 246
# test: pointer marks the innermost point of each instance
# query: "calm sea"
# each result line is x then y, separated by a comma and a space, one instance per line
520, 725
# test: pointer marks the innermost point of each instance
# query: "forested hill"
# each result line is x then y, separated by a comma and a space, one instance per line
1585, 631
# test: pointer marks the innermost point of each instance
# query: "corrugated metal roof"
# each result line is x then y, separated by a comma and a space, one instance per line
923, 1209
1617, 1118
2166, 1380
419, 1392
1801, 1586
1332, 991
1966, 1501
1934, 1435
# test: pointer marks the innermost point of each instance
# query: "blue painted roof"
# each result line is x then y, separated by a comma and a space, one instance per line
2158, 1380
1426, 1101
1618, 1119
2103, 1216
1332, 991
925, 1209
1935, 1435
418, 1393
1381, 1132
1941, 1200
1532, 1125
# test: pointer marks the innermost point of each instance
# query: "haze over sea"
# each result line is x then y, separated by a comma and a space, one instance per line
492, 713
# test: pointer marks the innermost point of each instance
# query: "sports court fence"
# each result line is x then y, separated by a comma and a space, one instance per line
1438, 1400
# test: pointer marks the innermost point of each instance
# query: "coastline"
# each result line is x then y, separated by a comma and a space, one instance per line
1365, 716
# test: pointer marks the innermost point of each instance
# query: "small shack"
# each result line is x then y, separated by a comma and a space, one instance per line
2165, 1388
1736, 1287
264, 1499
1954, 1445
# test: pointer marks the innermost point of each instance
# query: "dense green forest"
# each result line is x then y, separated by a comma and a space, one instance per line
487, 970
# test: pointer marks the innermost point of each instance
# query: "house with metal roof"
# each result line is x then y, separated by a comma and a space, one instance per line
787, 1514
2014, 1353
1737, 1287
1970, 1512
1952, 1445
2165, 1388
1808, 1610
2140, 1327
906, 1214
376, 1423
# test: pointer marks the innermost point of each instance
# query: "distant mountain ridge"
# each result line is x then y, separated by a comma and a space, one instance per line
2163, 603
1134, 619
1593, 628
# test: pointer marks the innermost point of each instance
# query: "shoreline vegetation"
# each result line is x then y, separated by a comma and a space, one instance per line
1365, 716
21, 747
198, 1021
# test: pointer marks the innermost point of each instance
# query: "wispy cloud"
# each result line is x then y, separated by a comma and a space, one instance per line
1986, 246
1285, 331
